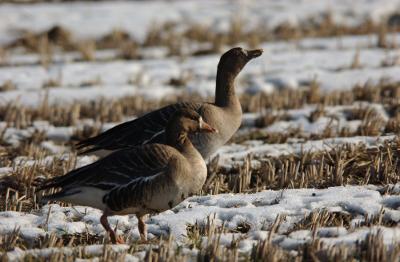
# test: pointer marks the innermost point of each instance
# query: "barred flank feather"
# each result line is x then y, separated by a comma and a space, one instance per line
118, 169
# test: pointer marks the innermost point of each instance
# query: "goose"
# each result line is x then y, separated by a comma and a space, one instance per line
139, 180
225, 114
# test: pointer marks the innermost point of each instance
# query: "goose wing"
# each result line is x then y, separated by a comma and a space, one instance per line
139, 192
119, 168
143, 130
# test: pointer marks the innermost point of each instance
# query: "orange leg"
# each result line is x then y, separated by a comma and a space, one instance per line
104, 222
142, 228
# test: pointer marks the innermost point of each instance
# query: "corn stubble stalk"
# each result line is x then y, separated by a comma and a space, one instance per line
388, 94
348, 164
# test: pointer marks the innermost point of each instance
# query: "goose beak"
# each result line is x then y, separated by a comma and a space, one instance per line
254, 53
204, 127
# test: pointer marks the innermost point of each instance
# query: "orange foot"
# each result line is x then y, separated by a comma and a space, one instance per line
116, 239
120, 240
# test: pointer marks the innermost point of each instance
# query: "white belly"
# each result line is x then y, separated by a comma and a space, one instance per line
87, 196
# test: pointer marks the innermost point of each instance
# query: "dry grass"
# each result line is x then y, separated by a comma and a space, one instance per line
317, 113
388, 94
87, 50
170, 35
372, 124
113, 40
3, 56
322, 218
57, 36
7, 86
18, 188
343, 165
181, 80
393, 125
20, 116
349, 164
270, 117
272, 137
356, 64
129, 50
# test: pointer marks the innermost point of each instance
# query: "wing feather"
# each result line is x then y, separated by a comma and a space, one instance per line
119, 168
136, 193
136, 132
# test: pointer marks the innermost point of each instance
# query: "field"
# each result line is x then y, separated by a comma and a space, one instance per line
312, 174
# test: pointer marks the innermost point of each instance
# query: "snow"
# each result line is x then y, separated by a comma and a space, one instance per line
283, 65
259, 210
334, 118
97, 19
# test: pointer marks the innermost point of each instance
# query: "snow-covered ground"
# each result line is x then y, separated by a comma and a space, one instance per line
335, 63
283, 65
96, 19
258, 210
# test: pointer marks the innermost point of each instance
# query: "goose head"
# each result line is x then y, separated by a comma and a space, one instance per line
184, 122
235, 59
189, 121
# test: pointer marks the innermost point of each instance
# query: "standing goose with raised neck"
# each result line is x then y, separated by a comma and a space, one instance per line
139, 180
225, 114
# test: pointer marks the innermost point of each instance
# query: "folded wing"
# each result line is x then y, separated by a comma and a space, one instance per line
143, 130
119, 168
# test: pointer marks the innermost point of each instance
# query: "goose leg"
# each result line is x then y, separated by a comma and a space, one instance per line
104, 222
142, 228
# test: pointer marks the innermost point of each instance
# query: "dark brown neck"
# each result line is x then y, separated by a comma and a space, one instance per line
225, 90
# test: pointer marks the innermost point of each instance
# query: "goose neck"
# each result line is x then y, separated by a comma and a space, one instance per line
225, 95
